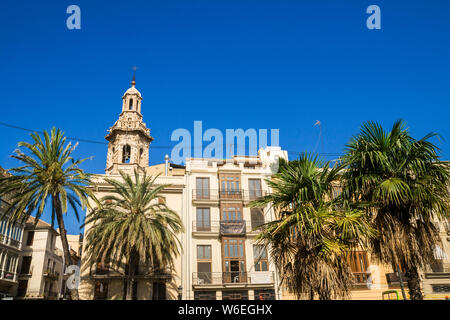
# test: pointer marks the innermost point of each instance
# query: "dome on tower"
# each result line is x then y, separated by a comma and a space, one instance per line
132, 90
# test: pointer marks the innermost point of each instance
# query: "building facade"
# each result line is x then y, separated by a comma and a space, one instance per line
10, 250
41, 265
222, 259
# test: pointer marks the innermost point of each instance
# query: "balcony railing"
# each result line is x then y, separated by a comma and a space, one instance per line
51, 274
9, 241
394, 280
112, 273
226, 227
250, 195
237, 277
6, 275
360, 278
216, 195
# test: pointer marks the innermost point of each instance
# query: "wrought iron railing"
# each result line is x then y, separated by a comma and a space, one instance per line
226, 194
9, 241
361, 278
393, 278
232, 277
227, 227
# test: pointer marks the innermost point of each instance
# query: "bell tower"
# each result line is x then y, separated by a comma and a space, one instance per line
129, 138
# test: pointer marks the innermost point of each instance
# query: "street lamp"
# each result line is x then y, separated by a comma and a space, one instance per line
180, 292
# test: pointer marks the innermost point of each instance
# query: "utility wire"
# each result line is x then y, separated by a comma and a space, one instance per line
335, 154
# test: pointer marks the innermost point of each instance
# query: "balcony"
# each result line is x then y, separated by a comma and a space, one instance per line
9, 241
9, 276
231, 194
214, 195
226, 227
232, 228
204, 196
361, 278
250, 195
52, 274
206, 279
393, 279
108, 273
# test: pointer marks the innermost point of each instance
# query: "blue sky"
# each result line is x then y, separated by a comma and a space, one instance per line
232, 64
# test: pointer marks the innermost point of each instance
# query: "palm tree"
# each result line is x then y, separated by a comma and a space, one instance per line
403, 185
48, 172
133, 226
312, 235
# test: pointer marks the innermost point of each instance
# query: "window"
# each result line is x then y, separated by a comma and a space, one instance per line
235, 295
257, 218
358, 264
204, 264
101, 290
265, 294
30, 238
260, 258
203, 219
234, 260
126, 154
441, 288
51, 241
26, 263
204, 295
22, 288
103, 268
202, 185
230, 186
336, 191
254, 187
131, 104
204, 252
159, 291
3, 225
231, 212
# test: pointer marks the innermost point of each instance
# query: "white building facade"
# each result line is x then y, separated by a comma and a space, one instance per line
222, 260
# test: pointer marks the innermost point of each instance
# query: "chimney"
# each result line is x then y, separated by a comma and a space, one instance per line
166, 158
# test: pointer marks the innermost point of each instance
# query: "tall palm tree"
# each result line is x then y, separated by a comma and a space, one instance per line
403, 184
313, 234
132, 227
48, 172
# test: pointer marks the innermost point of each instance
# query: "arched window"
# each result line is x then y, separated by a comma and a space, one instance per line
126, 155
131, 104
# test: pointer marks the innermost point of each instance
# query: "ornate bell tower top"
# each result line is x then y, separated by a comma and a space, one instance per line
129, 138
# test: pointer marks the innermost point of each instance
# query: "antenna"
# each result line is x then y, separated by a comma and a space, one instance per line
319, 139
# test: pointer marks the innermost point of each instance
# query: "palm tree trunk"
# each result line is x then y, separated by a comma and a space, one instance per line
65, 244
415, 292
130, 279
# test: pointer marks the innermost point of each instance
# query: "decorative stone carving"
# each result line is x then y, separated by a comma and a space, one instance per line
129, 130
